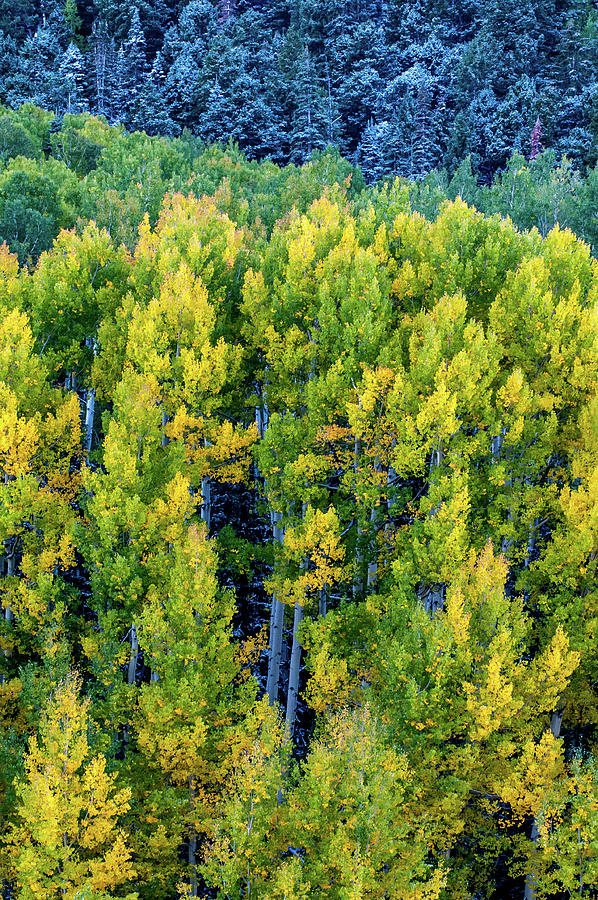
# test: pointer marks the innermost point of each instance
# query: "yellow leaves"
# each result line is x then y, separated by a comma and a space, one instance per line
457, 617
551, 669
115, 868
491, 702
437, 414
12, 714
68, 806
228, 454
515, 392
330, 685
172, 740
372, 394
539, 767
248, 652
315, 553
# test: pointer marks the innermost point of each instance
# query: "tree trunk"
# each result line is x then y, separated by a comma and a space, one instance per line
192, 850
132, 672
373, 563
276, 626
358, 578
322, 603
10, 572
206, 502
90, 406
530, 891
431, 596
261, 419
294, 669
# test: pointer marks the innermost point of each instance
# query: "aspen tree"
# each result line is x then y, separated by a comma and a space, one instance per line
76, 285
39, 456
187, 722
312, 558
249, 832
353, 792
66, 836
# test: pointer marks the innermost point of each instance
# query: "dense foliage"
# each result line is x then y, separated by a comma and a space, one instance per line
299, 524
399, 87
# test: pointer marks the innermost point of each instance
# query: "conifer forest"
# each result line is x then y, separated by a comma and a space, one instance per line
298, 449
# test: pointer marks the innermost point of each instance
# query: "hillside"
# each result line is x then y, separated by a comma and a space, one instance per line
401, 88
299, 529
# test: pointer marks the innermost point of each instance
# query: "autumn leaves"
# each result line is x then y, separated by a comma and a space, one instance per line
413, 404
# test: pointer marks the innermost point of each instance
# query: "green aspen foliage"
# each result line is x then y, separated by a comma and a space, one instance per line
298, 478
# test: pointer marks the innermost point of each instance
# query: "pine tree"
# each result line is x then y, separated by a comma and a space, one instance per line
72, 71
536, 139
134, 65
73, 22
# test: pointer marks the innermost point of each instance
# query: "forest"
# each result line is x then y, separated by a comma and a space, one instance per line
299, 523
399, 86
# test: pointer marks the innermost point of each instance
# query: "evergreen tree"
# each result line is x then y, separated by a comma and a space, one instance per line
72, 72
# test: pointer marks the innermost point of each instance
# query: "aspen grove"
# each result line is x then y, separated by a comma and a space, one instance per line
298, 534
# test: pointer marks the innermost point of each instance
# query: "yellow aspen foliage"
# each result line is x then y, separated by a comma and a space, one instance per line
346, 816
187, 718
314, 555
65, 837
247, 832
565, 857
539, 768
193, 230
10, 284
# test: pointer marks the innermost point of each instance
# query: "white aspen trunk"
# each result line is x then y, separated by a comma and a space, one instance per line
90, 407
431, 596
164, 440
261, 419
193, 863
276, 627
531, 544
322, 603
275, 650
294, 669
192, 850
358, 579
10, 571
132, 671
390, 479
530, 890
206, 502
373, 563
495, 448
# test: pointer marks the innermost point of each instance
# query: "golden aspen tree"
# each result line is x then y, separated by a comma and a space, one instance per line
194, 711
40, 454
469, 704
349, 819
249, 833
65, 838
